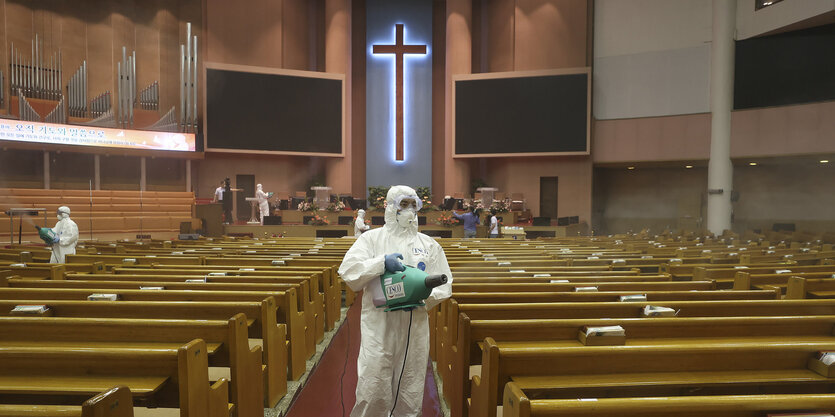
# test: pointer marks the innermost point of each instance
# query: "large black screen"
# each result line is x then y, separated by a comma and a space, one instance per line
787, 68
273, 112
540, 114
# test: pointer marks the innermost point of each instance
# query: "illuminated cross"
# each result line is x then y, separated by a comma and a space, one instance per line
398, 49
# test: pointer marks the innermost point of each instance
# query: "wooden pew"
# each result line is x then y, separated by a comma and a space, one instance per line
111, 261
168, 378
115, 402
804, 287
262, 316
311, 308
328, 281
725, 276
639, 331
310, 280
226, 342
548, 279
551, 369
746, 280
519, 405
286, 313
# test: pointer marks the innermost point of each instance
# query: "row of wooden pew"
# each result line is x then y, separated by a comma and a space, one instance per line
523, 334
209, 327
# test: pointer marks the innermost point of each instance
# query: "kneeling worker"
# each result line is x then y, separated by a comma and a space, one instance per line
394, 350
66, 236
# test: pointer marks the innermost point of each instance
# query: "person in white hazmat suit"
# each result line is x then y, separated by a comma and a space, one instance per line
359, 223
386, 335
263, 203
66, 236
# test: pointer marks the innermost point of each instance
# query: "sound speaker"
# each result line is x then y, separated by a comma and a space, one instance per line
272, 220
344, 220
541, 221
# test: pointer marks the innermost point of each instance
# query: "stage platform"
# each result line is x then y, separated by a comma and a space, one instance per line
302, 230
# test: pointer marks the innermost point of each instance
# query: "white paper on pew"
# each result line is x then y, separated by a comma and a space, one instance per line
742, 249
597, 254
558, 281
277, 262
129, 261
488, 254
150, 256
661, 246
505, 263
103, 297
313, 250
217, 248
783, 271
541, 275
18, 265
740, 267
191, 250
700, 244
707, 251
733, 254
258, 244
772, 247
585, 289
30, 308
540, 246
587, 399
491, 258
675, 260
295, 254
250, 251
789, 256
605, 331
151, 288
112, 245
593, 257
633, 297
517, 270
176, 253
828, 358
217, 274
618, 261
771, 252
658, 311
197, 280
646, 256
246, 269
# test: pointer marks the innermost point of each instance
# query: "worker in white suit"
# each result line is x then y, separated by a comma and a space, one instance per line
66, 236
359, 223
263, 203
394, 350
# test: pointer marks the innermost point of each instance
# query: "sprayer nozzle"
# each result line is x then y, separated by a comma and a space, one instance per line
38, 227
433, 281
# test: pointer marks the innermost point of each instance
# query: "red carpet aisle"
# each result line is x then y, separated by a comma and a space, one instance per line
320, 397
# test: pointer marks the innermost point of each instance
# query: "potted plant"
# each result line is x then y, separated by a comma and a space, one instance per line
318, 220
446, 221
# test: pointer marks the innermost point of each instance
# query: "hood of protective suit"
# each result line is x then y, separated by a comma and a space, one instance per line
395, 195
360, 214
259, 187
63, 212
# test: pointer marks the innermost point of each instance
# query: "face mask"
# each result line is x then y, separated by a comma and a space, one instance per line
406, 218
59, 216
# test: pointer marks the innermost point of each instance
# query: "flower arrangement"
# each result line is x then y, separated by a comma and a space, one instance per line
500, 206
336, 207
308, 206
476, 204
318, 220
446, 220
377, 197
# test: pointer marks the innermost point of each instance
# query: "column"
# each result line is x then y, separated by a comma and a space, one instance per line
142, 175
720, 170
97, 171
46, 170
188, 174
338, 60
458, 61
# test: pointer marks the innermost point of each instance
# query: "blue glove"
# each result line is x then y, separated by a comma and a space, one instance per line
55, 239
393, 263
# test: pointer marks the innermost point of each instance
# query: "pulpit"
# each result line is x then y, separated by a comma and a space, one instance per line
253, 202
487, 196
322, 196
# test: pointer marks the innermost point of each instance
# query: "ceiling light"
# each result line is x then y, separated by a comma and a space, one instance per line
753, 164
634, 167
824, 161
688, 166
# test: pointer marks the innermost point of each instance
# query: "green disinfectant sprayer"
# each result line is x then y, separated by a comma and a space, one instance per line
404, 290
46, 234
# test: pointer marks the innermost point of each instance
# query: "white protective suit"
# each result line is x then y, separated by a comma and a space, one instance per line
359, 224
67, 232
384, 334
263, 205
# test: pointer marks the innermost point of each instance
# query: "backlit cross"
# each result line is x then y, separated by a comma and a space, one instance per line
398, 49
